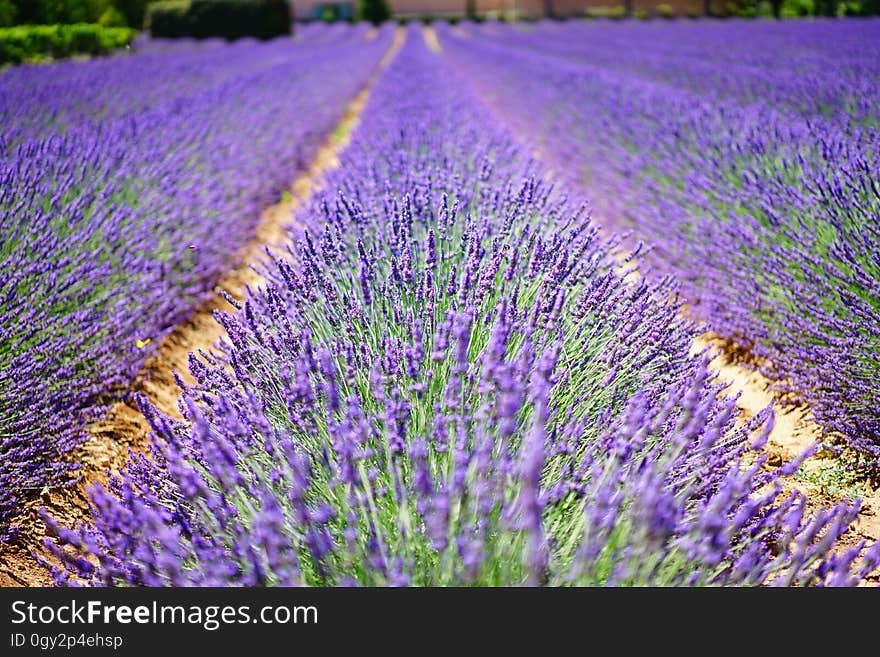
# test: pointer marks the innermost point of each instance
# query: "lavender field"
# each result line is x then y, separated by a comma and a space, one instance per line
472, 353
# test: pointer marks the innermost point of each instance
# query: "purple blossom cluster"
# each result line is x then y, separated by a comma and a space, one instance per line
116, 178
746, 154
447, 380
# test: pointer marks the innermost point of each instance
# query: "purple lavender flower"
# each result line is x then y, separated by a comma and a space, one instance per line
516, 459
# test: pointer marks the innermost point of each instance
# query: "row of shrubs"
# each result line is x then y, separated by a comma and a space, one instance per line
35, 42
230, 19
233, 19
107, 13
717, 9
747, 9
790, 9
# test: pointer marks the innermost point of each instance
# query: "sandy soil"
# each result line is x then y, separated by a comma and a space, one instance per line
794, 432
431, 40
124, 428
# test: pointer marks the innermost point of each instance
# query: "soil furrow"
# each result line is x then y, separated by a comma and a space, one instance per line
794, 432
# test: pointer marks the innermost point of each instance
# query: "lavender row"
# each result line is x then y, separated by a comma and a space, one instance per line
768, 215
113, 230
39, 101
447, 382
819, 68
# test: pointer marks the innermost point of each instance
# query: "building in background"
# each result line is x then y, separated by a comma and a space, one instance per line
315, 9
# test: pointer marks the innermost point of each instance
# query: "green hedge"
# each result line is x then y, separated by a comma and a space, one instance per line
109, 13
8, 13
61, 12
35, 42
230, 19
375, 11
168, 19
133, 10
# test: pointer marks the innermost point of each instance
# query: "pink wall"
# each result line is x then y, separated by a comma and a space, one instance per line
303, 8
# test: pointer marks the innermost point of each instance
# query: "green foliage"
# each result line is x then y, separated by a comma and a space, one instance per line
665, 11
332, 12
134, 11
742, 8
375, 11
112, 18
641, 14
616, 12
803, 8
234, 19
168, 19
843, 476
66, 12
35, 42
47, 12
8, 12
826, 7
798, 8
230, 19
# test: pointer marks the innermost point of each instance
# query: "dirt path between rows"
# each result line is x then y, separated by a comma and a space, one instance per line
794, 432
123, 428
431, 40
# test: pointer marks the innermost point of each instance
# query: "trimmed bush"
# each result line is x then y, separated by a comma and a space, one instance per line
168, 19
230, 19
112, 17
375, 11
614, 12
799, 8
34, 42
65, 12
8, 12
133, 11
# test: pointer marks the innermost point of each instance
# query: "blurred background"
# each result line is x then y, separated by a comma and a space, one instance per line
136, 14
47, 30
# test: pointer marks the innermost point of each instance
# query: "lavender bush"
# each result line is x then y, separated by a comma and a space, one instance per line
116, 178
752, 169
447, 381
